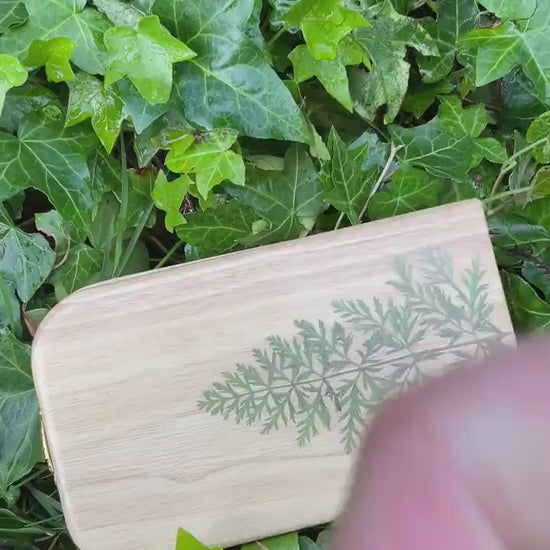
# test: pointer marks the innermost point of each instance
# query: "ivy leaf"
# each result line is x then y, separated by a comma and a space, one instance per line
427, 146
20, 444
55, 55
52, 224
331, 73
168, 196
283, 542
25, 259
386, 44
220, 229
446, 146
10, 308
419, 101
82, 265
289, 200
455, 18
141, 113
51, 159
186, 541
89, 98
541, 184
352, 171
501, 49
69, 18
324, 24
531, 313
515, 233
411, 189
539, 130
520, 102
209, 157
511, 9
26, 99
12, 12
120, 13
230, 83
145, 55
12, 74
460, 122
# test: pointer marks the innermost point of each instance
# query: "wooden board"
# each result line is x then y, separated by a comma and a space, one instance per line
309, 333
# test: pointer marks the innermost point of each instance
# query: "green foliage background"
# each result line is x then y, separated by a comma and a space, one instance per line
141, 133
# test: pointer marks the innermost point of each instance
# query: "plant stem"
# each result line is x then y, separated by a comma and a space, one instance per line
169, 255
509, 193
509, 165
276, 37
393, 153
123, 205
161, 247
339, 222
135, 236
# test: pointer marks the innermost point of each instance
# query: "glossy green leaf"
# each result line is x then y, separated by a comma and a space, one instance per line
530, 312
63, 234
89, 98
119, 13
141, 113
220, 229
331, 73
427, 146
386, 44
410, 190
12, 12
419, 101
459, 122
502, 48
25, 259
511, 9
145, 55
324, 24
541, 184
490, 149
538, 211
186, 541
55, 55
540, 130
51, 159
230, 83
350, 175
517, 234
10, 308
289, 201
69, 18
455, 18
81, 267
26, 99
283, 542
520, 103
536, 270
168, 196
20, 444
12, 74
446, 146
210, 157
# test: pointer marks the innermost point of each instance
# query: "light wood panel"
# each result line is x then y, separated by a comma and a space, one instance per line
124, 369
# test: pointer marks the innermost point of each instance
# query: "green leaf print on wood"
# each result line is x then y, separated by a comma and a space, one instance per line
334, 376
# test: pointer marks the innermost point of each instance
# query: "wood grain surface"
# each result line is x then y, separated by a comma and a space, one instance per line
130, 378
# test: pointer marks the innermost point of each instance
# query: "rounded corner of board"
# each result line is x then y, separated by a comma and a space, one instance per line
51, 323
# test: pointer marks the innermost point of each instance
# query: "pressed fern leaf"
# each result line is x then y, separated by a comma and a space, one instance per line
338, 374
